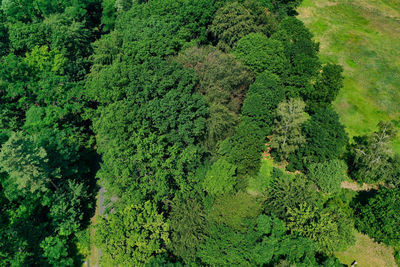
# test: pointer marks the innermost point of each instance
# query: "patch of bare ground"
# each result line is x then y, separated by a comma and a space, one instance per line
356, 187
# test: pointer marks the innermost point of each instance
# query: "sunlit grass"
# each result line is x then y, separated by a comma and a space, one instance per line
367, 253
363, 36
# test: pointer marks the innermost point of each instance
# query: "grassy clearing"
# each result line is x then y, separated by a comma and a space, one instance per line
367, 253
363, 36
261, 181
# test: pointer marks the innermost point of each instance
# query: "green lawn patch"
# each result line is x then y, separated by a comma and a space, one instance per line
367, 253
363, 36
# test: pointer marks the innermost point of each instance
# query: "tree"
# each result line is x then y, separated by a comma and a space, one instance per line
244, 148
282, 7
156, 122
327, 87
287, 136
188, 228
262, 99
220, 125
379, 216
329, 228
221, 178
287, 192
370, 155
55, 249
132, 236
223, 81
230, 24
326, 140
222, 78
261, 53
263, 241
301, 53
26, 164
192, 17
328, 175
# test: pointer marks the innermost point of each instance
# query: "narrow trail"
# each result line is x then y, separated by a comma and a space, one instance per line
101, 209
356, 187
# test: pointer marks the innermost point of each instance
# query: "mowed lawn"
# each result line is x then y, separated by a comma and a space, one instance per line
367, 253
364, 37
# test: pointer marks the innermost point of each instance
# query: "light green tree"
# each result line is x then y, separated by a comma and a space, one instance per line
220, 178
132, 236
328, 175
371, 154
26, 164
287, 136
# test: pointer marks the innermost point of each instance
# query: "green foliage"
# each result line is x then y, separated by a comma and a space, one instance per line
158, 108
188, 227
282, 7
149, 134
301, 53
329, 228
262, 99
263, 179
221, 178
234, 210
327, 86
262, 241
232, 22
55, 250
26, 164
328, 175
287, 136
326, 139
192, 17
244, 148
370, 155
132, 236
379, 216
287, 192
260, 53
223, 81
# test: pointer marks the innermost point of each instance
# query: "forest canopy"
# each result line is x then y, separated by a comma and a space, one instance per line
208, 124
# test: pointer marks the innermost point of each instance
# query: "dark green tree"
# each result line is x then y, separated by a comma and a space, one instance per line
379, 216
262, 99
232, 22
188, 227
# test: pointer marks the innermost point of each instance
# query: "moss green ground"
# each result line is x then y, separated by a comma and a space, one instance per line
364, 37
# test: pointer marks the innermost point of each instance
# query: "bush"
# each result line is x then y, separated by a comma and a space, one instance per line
328, 175
260, 53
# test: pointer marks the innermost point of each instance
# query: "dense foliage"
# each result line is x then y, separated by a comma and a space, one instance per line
208, 123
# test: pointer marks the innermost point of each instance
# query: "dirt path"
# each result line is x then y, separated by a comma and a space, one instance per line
356, 187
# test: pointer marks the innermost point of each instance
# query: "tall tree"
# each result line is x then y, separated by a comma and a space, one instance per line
232, 22
132, 236
261, 53
370, 155
379, 215
188, 228
27, 164
287, 135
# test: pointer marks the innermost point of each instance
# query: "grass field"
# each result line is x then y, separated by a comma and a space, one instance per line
364, 37
367, 253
